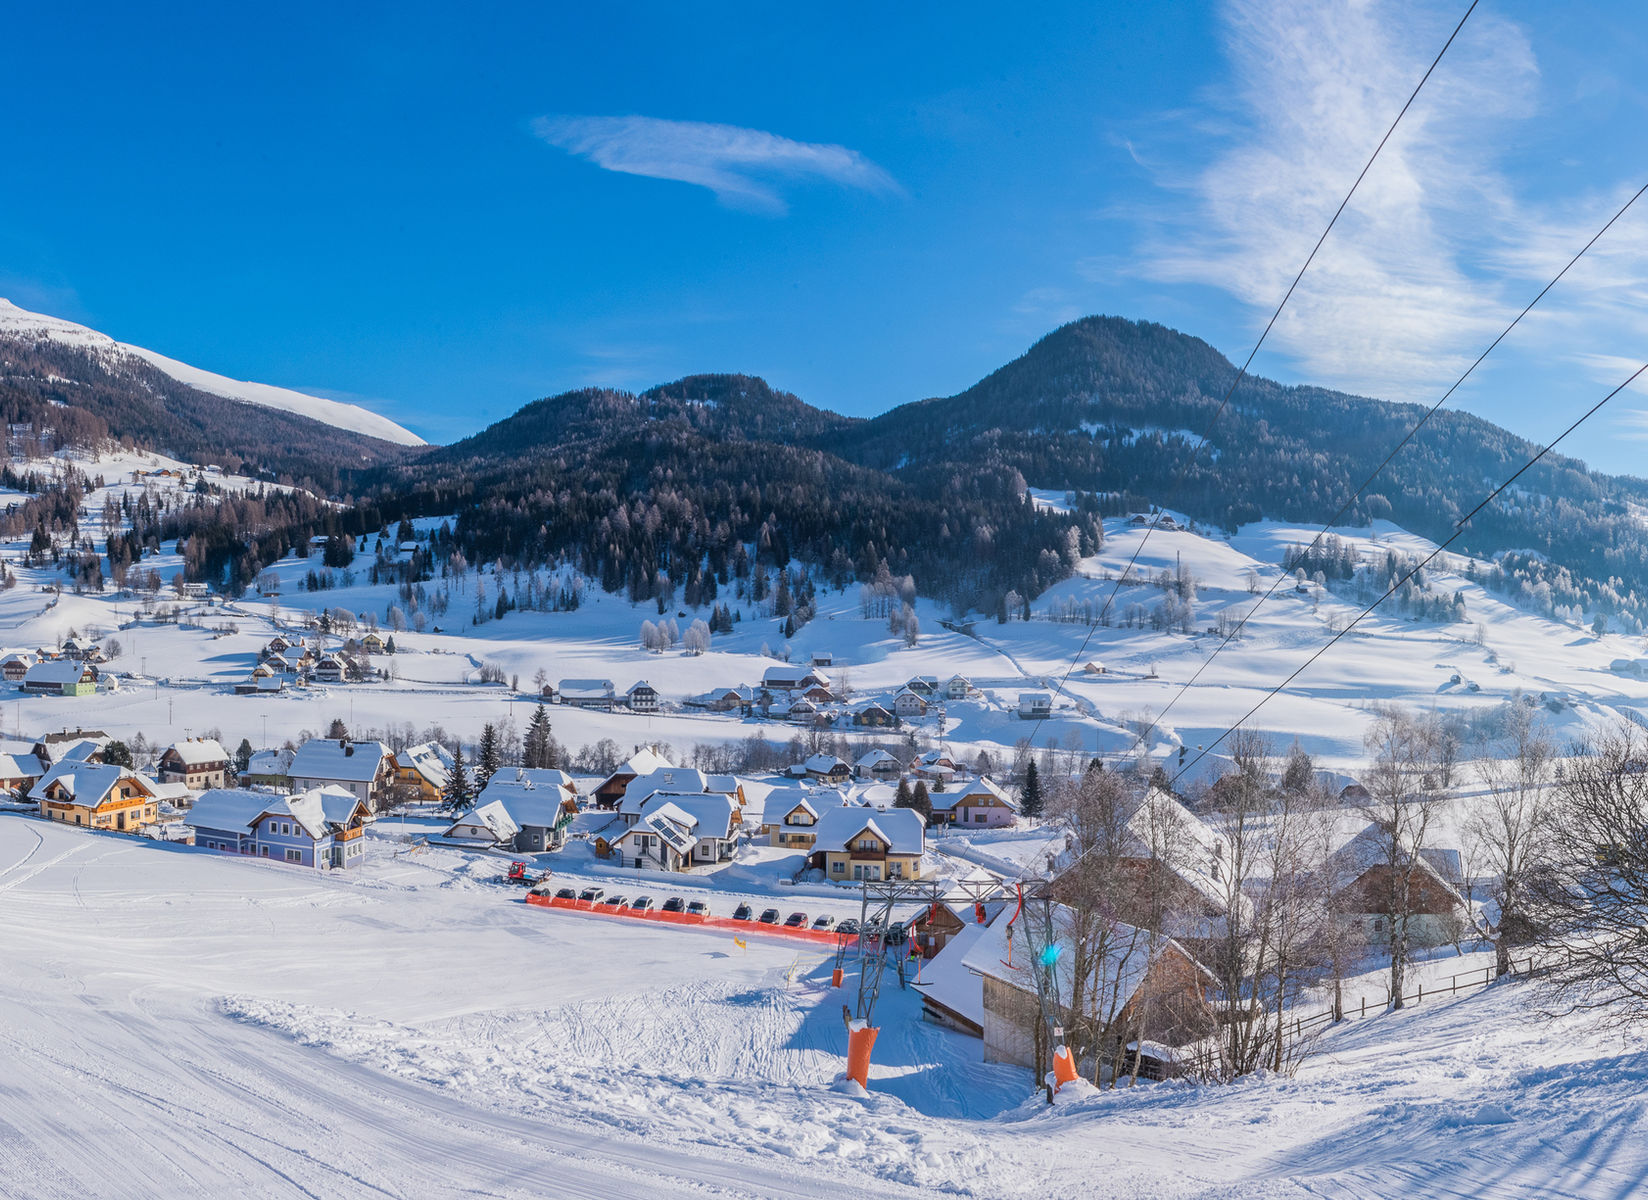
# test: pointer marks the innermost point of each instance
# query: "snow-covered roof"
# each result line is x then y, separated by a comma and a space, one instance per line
527, 803
664, 779
874, 759
639, 685
197, 752
19, 766
1370, 847
58, 671
980, 791
271, 762
86, 782
1128, 952
643, 762
431, 760
677, 828
802, 804
825, 764
352, 762
789, 676
229, 809
492, 816
586, 689
901, 828
712, 813
946, 978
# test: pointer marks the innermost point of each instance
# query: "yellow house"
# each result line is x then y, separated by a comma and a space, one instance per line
97, 795
796, 829
854, 843
422, 772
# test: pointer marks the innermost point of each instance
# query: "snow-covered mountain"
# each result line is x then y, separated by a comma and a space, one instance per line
18, 322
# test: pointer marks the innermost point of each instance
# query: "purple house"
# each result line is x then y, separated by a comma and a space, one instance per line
322, 828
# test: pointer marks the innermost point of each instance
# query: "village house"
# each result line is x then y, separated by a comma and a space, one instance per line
16, 665
959, 687
642, 697
588, 693
938, 925
610, 790
854, 843
1364, 883
878, 764
724, 699
372, 643
908, 704
422, 773
795, 828
71, 745
80, 650
936, 764
788, 678
197, 763
980, 804
19, 773
874, 716
827, 768
680, 780
97, 795
1149, 989
822, 658
269, 769
519, 812
678, 830
366, 770
321, 828
338, 667
261, 682
1033, 706
61, 677
923, 685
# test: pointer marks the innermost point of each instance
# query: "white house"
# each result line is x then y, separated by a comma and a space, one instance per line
1033, 706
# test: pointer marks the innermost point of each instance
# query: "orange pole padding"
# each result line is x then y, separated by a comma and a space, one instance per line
860, 1040
835, 978
1064, 1067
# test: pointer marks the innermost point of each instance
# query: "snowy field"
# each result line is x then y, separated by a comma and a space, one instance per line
179, 678
177, 1024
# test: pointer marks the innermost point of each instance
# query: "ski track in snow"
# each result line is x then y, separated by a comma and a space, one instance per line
177, 1024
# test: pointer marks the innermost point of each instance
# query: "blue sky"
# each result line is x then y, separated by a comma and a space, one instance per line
446, 213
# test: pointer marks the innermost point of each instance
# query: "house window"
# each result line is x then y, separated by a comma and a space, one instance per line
838, 868
264, 851
294, 856
979, 817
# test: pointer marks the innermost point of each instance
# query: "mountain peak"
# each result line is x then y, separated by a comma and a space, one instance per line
20, 324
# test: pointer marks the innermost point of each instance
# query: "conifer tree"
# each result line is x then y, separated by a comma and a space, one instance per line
486, 759
902, 797
243, 757
539, 750
1031, 801
921, 801
456, 796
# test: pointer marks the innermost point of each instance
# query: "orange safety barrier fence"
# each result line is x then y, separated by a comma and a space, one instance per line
821, 936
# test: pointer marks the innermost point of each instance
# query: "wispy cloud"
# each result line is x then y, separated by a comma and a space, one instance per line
1393, 304
743, 167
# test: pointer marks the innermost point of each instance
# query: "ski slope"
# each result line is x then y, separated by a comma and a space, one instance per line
180, 1024
19, 322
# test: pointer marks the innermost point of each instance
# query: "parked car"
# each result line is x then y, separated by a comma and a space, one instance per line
697, 908
848, 927
566, 894
616, 901
825, 923
742, 913
769, 916
674, 904
641, 904
796, 920
592, 895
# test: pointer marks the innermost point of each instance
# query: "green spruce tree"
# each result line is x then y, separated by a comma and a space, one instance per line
486, 759
1031, 801
457, 795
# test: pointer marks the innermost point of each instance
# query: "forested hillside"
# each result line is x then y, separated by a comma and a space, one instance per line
75, 396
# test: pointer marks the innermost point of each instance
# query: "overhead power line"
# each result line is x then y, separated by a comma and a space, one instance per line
1224, 402
1459, 530
1395, 450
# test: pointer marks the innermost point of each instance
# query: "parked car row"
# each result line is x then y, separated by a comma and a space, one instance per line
698, 908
